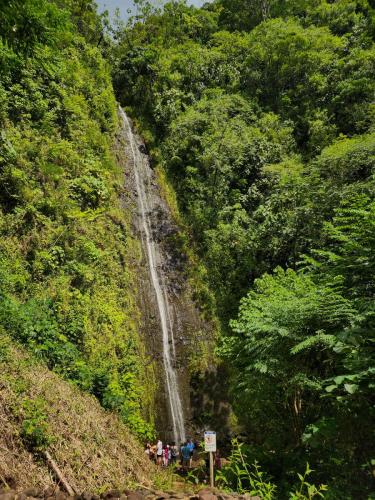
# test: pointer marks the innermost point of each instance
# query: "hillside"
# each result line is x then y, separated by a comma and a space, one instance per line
67, 291
92, 447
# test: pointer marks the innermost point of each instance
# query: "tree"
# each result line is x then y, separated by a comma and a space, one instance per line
24, 24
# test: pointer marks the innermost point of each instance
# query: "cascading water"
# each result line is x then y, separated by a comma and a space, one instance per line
150, 246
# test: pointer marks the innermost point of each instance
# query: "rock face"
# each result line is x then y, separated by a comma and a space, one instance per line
185, 324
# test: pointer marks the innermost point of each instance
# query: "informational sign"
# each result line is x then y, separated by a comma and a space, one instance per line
210, 441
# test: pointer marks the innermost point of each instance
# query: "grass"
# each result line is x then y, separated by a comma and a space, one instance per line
92, 447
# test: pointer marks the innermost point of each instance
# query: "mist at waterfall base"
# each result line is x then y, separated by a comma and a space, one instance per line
125, 5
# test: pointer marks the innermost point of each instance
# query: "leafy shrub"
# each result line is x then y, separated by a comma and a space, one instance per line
90, 191
238, 476
34, 429
307, 491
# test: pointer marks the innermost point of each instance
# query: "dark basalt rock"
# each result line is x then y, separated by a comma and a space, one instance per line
111, 494
135, 495
142, 148
172, 264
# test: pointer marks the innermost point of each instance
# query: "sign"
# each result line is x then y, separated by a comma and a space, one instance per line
210, 441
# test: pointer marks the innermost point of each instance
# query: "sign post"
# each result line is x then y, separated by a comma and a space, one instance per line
210, 447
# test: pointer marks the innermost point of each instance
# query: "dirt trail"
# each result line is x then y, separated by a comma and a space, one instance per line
53, 492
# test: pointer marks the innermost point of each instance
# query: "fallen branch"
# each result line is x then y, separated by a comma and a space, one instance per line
59, 474
144, 487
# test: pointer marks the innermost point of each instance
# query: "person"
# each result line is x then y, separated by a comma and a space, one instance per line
159, 452
165, 455
148, 450
190, 445
174, 453
185, 452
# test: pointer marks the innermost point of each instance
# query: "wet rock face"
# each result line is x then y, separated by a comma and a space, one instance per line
172, 268
174, 263
142, 148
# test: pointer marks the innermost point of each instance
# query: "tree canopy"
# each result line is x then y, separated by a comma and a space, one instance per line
262, 118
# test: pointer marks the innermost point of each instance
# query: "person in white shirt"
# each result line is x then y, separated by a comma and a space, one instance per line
159, 452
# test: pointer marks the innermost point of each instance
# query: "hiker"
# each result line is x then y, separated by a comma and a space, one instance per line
148, 450
159, 452
185, 453
191, 447
174, 453
165, 455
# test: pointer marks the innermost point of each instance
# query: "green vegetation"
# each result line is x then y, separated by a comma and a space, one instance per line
41, 412
261, 116
66, 288
34, 429
238, 475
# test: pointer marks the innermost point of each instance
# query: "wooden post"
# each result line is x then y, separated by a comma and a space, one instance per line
210, 447
212, 480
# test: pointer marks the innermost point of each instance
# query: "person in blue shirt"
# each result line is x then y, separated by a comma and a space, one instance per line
191, 447
185, 452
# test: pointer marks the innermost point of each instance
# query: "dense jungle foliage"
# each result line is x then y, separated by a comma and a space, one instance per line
66, 291
261, 113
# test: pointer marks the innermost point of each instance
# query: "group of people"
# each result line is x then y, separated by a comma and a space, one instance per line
167, 454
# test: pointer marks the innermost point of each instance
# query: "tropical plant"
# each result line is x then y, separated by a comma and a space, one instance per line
238, 475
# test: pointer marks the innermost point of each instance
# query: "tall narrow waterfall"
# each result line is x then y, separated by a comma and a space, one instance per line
151, 248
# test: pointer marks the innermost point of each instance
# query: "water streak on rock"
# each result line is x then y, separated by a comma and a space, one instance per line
152, 249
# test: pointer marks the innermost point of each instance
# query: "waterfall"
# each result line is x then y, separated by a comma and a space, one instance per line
151, 248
